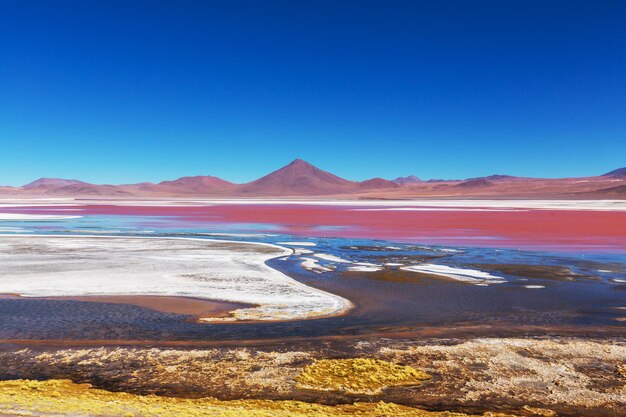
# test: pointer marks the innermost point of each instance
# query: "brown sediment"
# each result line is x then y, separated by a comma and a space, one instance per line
6, 296
549, 272
454, 331
405, 259
408, 248
199, 307
395, 274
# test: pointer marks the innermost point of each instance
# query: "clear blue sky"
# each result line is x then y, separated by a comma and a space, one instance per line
126, 91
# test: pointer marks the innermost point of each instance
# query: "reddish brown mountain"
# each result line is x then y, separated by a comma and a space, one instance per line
411, 179
6, 190
496, 177
142, 188
477, 182
68, 187
377, 184
299, 178
47, 184
617, 173
86, 189
194, 185
616, 192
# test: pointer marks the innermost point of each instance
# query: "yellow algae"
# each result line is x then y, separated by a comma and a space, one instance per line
540, 412
63, 397
358, 376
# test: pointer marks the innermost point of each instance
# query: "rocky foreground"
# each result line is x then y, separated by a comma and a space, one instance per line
523, 377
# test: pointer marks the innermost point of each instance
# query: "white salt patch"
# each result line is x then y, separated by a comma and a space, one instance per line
34, 217
393, 247
435, 209
613, 205
393, 264
459, 274
95, 231
14, 230
314, 266
185, 267
300, 251
605, 271
297, 243
237, 234
364, 268
331, 258
620, 281
534, 286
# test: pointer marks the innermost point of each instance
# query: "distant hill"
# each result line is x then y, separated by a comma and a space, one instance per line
619, 190
478, 182
91, 190
441, 180
194, 185
617, 173
495, 177
377, 184
301, 179
45, 184
9, 190
411, 179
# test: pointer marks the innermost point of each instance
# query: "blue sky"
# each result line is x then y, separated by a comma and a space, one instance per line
127, 91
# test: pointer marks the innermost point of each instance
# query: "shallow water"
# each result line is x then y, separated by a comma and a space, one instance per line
575, 291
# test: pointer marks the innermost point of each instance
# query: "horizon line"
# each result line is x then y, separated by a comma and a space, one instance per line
421, 178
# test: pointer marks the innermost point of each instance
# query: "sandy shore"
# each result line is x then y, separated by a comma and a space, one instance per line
199, 307
87, 266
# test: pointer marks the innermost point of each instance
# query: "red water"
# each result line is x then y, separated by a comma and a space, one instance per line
541, 229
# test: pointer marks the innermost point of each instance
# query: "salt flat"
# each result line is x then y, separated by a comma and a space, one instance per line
34, 217
50, 266
418, 204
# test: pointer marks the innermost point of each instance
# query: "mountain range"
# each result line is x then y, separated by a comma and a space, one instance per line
301, 179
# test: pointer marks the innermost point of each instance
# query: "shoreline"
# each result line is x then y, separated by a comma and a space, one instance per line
428, 201
453, 334
202, 308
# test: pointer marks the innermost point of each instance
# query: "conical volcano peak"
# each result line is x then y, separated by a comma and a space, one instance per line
298, 178
299, 163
